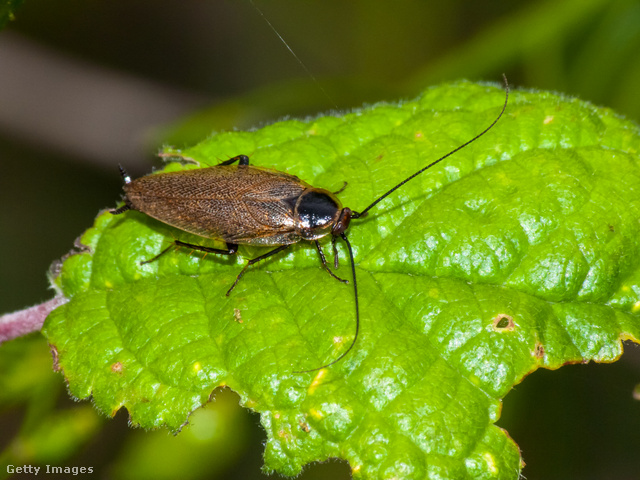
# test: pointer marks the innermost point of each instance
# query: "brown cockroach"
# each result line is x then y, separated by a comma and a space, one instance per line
247, 205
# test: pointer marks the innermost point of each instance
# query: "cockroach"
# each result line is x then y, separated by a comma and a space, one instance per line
248, 205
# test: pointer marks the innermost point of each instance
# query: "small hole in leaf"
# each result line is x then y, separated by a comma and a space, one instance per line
502, 321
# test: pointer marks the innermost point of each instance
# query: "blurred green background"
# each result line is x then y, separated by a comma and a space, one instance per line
85, 85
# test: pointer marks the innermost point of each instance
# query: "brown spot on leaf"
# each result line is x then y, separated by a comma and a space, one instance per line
538, 352
55, 269
238, 315
117, 367
54, 354
503, 322
304, 426
178, 157
184, 424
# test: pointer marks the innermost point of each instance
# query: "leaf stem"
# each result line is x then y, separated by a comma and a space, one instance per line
22, 322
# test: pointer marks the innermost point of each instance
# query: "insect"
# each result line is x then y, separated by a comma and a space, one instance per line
242, 204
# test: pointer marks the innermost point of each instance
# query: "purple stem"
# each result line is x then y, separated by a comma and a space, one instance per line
16, 324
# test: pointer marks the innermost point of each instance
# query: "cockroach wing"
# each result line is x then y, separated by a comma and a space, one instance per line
236, 203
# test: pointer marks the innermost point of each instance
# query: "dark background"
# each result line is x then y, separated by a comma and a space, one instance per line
85, 85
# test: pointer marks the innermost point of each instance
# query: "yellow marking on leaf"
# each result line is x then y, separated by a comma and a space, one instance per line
491, 462
317, 381
316, 414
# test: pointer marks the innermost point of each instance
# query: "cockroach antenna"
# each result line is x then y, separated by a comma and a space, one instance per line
355, 290
300, 62
406, 180
347, 214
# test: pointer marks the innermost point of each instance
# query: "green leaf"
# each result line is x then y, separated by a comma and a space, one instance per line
25, 367
520, 251
219, 427
46, 434
7, 9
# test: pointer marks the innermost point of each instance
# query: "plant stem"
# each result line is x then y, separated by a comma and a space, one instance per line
16, 324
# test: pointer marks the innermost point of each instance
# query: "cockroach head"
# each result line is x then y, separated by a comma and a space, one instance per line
343, 222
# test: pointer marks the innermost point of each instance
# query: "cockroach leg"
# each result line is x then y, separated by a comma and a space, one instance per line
241, 159
324, 263
144, 262
256, 260
232, 249
341, 189
336, 264
118, 211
